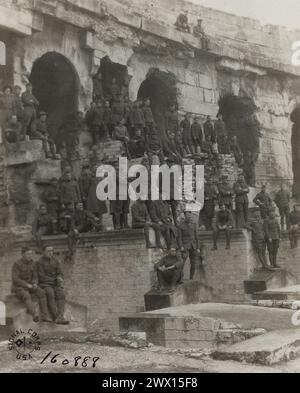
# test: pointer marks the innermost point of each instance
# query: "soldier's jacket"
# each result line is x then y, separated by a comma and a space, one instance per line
39, 128
96, 118
225, 194
282, 199
210, 195
41, 221
220, 128
198, 31
148, 115
18, 104
137, 117
272, 228
139, 213
29, 100
69, 192
241, 191
172, 121
185, 125
84, 183
295, 218
160, 211
169, 261
82, 219
209, 130
224, 218
188, 236
117, 112
197, 132
23, 273
263, 200
49, 271
120, 132
258, 230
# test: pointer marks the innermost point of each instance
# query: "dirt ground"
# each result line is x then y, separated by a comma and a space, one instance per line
117, 359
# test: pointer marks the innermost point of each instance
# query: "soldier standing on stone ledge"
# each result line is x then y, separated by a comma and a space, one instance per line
295, 226
249, 163
256, 226
169, 270
97, 87
210, 200
84, 183
51, 196
51, 280
264, 202
197, 135
199, 32
222, 135
39, 130
241, 191
69, 190
149, 119
185, 127
94, 205
209, 130
25, 285
18, 103
30, 108
273, 237
282, 200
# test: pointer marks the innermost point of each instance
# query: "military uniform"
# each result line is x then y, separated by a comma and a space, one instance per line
210, 200
209, 131
185, 126
173, 274
236, 151
197, 135
84, 183
264, 202
149, 121
189, 241
273, 235
69, 192
225, 195
221, 132
19, 108
182, 23
50, 278
51, 197
43, 225
24, 274
107, 119
137, 119
30, 104
259, 240
224, 221
160, 213
294, 228
117, 112
94, 206
282, 200
241, 191
97, 124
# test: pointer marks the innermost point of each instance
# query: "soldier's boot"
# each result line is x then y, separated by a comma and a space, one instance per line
125, 221
31, 309
61, 320
44, 310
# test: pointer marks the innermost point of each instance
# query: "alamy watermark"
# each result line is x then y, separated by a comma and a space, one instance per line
181, 183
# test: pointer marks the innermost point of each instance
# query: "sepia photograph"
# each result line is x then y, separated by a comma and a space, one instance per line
149, 189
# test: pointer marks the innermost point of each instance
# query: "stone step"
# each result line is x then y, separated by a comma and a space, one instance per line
271, 348
262, 280
285, 293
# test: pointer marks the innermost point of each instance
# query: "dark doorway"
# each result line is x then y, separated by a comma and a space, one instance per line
241, 121
56, 86
295, 117
161, 88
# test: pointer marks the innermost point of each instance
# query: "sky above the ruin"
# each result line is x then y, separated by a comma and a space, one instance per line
279, 12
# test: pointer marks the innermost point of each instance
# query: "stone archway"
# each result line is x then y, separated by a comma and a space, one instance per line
56, 85
161, 88
295, 117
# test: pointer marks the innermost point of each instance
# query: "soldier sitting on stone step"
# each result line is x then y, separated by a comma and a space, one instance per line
25, 286
223, 223
44, 225
182, 22
170, 270
13, 130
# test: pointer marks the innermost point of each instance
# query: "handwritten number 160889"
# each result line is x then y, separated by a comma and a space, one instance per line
78, 361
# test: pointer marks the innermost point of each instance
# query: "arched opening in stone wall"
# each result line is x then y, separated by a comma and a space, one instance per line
161, 88
295, 117
56, 85
241, 121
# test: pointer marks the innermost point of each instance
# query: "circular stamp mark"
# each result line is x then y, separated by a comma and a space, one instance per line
24, 343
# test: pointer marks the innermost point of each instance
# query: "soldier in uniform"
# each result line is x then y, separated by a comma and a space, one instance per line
182, 22
264, 202
225, 193
84, 183
294, 226
282, 200
72, 128
209, 130
51, 280
119, 209
39, 130
25, 286
107, 118
241, 191
13, 130
149, 119
189, 243
98, 87
115, 91
161, 214
197, 135
141, 219
30, 104
137, 145
221, 132
154, 145
69, 190
18, 103
185, 127
199, 32
256, 226
223, 223
249, 163
136, 117
94, 205
210, 200
44, 225
51, 196
235, 150
97, 123
83, 221
273, 235
169, 270
172, 120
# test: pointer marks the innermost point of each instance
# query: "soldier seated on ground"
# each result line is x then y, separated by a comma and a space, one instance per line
170, 270
294, 226
182, 22
141, 219
43, 225
223, 223
51, 280
13, 130
25, 286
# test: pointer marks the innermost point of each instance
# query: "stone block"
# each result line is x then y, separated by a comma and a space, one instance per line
26, 153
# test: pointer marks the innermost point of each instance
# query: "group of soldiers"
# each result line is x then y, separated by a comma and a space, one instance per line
182, 24
42, 280
20, 119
